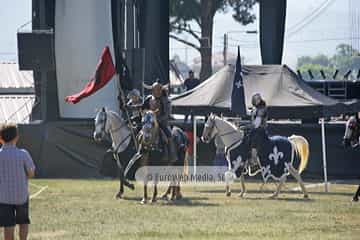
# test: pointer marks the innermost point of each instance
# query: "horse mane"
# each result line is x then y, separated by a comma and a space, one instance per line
115, 114
233, 126
230, 123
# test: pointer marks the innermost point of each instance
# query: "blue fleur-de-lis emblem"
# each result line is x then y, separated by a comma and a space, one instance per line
276, 155
238, 84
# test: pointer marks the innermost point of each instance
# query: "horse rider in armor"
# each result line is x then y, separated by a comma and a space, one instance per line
134, 104
259, 117
159, 102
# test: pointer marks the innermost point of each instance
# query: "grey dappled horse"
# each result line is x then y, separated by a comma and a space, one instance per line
109, 122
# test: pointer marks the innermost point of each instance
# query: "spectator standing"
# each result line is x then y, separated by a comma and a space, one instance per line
16, 166
190, 83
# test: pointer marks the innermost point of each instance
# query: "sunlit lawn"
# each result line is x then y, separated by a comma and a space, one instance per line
86, 209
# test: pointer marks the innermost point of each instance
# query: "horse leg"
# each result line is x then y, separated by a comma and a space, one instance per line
165, 194
168, 191
119, 195
281, 183
178, 192
243, 189
125, 181
173, 193
356, 196
262, 187
128, 184
229, 176
154, 200
145, 198
297, 176
228, 190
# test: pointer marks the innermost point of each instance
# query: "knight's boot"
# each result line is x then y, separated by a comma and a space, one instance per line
172, 151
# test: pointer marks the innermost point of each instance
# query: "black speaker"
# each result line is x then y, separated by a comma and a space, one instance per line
36, 50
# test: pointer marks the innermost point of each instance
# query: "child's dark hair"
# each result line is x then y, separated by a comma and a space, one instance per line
9, 132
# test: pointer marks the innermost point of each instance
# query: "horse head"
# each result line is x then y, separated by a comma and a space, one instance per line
210, 130
106, 122
150, 128
352, 132
101, 126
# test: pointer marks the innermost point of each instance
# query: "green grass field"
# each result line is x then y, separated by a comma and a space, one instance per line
86, 209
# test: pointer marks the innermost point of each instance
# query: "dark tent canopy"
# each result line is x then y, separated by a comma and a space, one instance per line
286, 95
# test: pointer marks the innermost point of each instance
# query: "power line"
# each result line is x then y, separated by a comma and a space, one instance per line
310, 18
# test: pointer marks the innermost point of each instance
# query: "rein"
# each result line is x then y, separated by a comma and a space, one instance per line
118, 146
112, 131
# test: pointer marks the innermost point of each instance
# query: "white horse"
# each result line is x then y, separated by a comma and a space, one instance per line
276, 156
109, 122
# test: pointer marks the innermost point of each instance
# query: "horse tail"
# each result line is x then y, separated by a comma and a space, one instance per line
302, 148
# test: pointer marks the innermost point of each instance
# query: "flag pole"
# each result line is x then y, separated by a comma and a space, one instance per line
122, 97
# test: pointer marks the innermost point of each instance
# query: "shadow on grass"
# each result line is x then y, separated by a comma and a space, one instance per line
190, 202
334, 193
281, 199
133, 199
236, 191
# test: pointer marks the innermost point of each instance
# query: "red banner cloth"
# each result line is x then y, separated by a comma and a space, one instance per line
105, 70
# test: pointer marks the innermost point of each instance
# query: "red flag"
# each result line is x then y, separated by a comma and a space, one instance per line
105, 70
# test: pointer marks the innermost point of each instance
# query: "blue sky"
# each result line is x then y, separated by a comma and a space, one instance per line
333, 23
13, 13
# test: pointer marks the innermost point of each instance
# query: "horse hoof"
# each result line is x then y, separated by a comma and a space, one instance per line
228, 194
273, 196
119, 196
130, 186
355, 199
164, 197
179, 197
154, 200
144, 201
241, 195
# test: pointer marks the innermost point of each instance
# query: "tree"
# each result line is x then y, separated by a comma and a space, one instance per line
315, 69
184, 13
346, 58
320, 59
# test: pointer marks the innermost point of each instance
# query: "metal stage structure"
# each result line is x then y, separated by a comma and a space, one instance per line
59, 140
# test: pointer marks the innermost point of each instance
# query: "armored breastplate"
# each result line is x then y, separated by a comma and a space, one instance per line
154, 104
